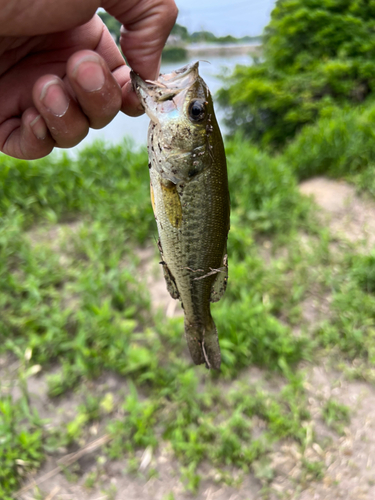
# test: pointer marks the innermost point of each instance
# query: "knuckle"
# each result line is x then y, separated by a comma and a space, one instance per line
168, 12
65, 137
172, 12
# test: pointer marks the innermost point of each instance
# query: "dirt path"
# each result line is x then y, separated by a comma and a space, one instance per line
348, 216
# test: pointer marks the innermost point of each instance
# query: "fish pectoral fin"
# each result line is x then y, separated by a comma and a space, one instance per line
168, 276
170, 281
172, 203
220, 284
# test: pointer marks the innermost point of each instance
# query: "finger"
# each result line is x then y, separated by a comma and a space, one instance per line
95, 88
147, 24
130, 102
65, 120
43, 16
27, 137
116, 63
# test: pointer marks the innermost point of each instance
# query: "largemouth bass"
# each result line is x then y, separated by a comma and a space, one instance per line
190, 199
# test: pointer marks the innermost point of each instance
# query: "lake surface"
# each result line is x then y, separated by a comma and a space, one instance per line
136, 128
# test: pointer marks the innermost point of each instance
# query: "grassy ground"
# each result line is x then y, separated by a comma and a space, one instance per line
85, 358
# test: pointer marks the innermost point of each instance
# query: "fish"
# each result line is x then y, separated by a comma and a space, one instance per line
190, 199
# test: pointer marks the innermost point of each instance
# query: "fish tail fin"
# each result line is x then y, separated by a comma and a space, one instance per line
203, 344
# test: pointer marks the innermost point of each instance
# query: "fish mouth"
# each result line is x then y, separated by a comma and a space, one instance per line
182, 77
167, 85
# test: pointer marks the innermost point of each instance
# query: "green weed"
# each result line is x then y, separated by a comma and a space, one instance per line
336, 415
21, 449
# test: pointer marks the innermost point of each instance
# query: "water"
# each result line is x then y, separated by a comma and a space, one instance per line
136, 128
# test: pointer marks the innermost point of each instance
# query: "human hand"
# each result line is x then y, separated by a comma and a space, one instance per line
61, 72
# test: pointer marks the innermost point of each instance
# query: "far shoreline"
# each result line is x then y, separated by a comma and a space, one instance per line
176, 53
222, 49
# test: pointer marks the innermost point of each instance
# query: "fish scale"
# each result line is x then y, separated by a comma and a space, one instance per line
190, 198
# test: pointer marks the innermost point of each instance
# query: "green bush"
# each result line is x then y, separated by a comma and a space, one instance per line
109, 183
342, 144
264, 190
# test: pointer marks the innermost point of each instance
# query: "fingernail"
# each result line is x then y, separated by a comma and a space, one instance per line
54, 98
89, 74
39, 128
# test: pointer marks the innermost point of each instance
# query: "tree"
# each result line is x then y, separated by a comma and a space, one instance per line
180, 31
318, 54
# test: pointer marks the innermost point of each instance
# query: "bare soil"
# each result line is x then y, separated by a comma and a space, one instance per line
348, 216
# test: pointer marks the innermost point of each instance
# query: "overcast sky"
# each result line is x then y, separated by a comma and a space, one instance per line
222, 17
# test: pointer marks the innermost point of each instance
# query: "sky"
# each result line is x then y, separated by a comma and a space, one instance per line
223, 17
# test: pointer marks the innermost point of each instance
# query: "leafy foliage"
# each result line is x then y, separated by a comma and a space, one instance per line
58, 188
265, 191
317, 55
339, 145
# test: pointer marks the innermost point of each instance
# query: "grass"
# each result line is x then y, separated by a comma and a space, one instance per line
21, 445
74, 306
336, 415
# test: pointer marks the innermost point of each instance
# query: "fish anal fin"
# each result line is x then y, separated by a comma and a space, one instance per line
220, 284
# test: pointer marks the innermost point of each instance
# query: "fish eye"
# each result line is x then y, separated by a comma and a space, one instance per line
197, 111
